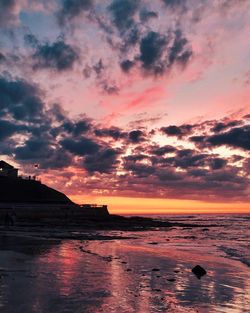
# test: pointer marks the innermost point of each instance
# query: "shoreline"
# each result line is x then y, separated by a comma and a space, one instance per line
87, 229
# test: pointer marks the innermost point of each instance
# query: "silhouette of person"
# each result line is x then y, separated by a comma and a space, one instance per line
7, 219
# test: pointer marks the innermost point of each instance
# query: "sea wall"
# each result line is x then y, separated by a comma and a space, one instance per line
38, 212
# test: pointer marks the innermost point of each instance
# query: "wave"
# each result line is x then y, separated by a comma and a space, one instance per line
235, 254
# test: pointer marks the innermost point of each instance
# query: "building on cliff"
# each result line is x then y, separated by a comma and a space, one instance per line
7, 170
29, 199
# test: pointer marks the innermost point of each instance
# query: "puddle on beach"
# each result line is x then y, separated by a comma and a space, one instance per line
118, 276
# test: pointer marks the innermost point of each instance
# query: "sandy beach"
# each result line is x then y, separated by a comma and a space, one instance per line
144, 272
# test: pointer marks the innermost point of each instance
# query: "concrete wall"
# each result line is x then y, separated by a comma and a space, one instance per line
38, 212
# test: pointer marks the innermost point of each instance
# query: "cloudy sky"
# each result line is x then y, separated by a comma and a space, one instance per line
143, 105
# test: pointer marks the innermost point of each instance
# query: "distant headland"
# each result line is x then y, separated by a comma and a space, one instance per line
28, 199
25, 201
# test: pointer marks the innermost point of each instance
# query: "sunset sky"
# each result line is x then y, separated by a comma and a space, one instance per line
142, 105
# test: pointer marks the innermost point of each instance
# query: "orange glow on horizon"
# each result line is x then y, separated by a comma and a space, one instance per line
126, 205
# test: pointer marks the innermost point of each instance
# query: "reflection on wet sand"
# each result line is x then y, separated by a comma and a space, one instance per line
117, 276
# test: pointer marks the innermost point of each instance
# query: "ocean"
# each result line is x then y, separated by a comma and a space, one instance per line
230, 234
149, 272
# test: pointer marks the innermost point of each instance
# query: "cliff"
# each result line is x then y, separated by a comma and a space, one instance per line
29, 191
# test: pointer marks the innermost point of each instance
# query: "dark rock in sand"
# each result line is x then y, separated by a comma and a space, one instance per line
171, 279
157, 290
189, 237
155, 270
153, 243
199, 271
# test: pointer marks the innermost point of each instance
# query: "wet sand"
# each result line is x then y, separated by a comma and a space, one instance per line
147, 274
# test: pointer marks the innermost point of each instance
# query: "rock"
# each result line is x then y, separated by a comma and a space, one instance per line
155, 270
153, 243
171, 279
129, 270
189, 237
199, 271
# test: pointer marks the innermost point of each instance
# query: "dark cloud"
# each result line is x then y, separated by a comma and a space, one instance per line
36, 127
50, 139
159, 151
124, 19
135, 157
223, 126
136, 136
76, 128
198, 139
130, 38
72, 8
126, 65
139, 169
188, 158
217, 163
113, 132
20, 100
123, 12
31, 40
238, 137
168, 175
38, 150
179, 53
58, 55
105, 161
151, 49
158, 53
146, 15
199, 172
175, 3
7, 129
81, 147
178, 131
